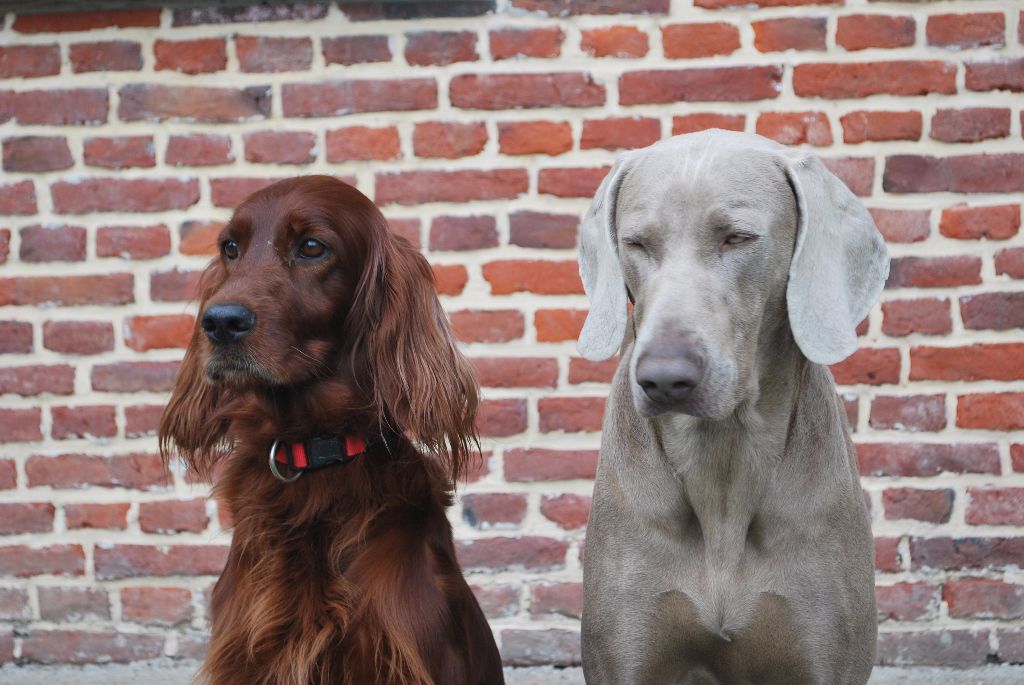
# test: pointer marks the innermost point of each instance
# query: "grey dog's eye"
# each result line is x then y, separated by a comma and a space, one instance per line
635, 245
738, 238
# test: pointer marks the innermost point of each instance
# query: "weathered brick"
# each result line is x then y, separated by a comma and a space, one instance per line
571, 182
863, 31
17, 518
858, 173
920, 460
100, 516
565, 599
1003, 74
516, 372
995, 222
681, 41
119, 153
534, 137
88, 421
692, 123
166, 606
448, 140
513, 43
552, 646
199, 56
462, 185
712, 84
484, 325
563, 8
424, 48
199, 150
78, 337
1010, 261
123, 195
333, 98
24, 561
614, 41
80, 647
68, 107
362, 143
586, 371
933, 506
861, 126
138, 471
113, 55
795, 128
151, 376
556, 325
494, 510
970, 125
966, 30
529, 552
948, 647
17, 198
53, 243
861, 79
995, 506
292, 11
133, 242
501, 418
981, 361
619, 133
1001, 411
230, 192
569, 511
933, 272
531, 465
267, 54
56, 22
29, 61
571, 414
463, 233
152, 102
280, 147
349, 50
15, 337
73, 604
908, 413
993, 311
118, 561
868, 366
497, 601
511, 91
37, 153
911, 601
790, 33
20, 425
536, 276
541, 229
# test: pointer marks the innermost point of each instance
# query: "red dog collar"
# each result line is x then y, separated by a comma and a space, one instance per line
319, 452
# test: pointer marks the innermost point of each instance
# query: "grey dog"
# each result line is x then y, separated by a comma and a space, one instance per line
728, 540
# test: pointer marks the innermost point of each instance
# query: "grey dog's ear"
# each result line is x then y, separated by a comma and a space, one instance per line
601, 272
839, 265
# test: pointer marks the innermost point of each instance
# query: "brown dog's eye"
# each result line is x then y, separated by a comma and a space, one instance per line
312, 249
229, 248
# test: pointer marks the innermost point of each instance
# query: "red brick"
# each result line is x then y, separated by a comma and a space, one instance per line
20, 425
994, 506
530, 552
448, 140
349, 50
966, 30
993, 361
280, 147
946, 647
29, 61
229, 192
362, 142
52, 244
536, 42
571, 182
501, 418
715, 84
557, 325
144, 333
510, 91
83, 422
267, 54
25, 517
1017, 457
516, 372
1011, 642
493, 510
1004, 74
565, 599
174, 286
944, 553
152, 102
692, 123
137, 471
118, 561
17, 198
790, 33
907, 601
78, 337
858, 173
933, 506
73, 604
450, 279
909, 413
585, 371
497, 601
861, 79
861, 126
463, 233
8, 472
795, 128
332, 98
571, 414
922, 460
534, 137
409, 229
536, 276
424, 48
200, 56
992, 311
37, 153
114, 55
68, 107
120, 153
462, 185
902, 225
23, 561
67, 290
294, 11
722, 4
13, 606
133, 242
1010, 262
868, 366
57, 22
531, 465
199, 150
142, 420
684, 41
984, 173
166, 606
887, 555
863, 31
996, 222
619, 133
983, 598
15, 337
993, 411
562, 8
934, 272
173, 516
568, 511
124, 195
5, 244
148, 376
970, 125
541, 229
540, 647
80, 647
28, 381
100, 516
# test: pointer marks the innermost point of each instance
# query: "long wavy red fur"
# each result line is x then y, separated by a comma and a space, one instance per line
349, 574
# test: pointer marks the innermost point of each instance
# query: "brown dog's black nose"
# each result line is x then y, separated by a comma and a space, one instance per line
227, 323
668, 373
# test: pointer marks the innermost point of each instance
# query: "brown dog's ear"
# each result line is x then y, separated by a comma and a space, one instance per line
190, 425
420, 379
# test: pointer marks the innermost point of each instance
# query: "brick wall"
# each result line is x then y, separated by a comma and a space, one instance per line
128, 136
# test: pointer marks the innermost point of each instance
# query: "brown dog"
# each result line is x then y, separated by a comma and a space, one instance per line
321, 343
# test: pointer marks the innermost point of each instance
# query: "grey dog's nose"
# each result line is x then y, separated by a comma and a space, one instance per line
668, 373
227, 323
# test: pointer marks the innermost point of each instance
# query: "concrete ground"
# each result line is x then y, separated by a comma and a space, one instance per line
177, 673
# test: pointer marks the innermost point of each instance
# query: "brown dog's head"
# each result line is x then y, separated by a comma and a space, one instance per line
311, 286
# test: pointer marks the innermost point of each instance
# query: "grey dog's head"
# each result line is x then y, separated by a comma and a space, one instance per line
722, 239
